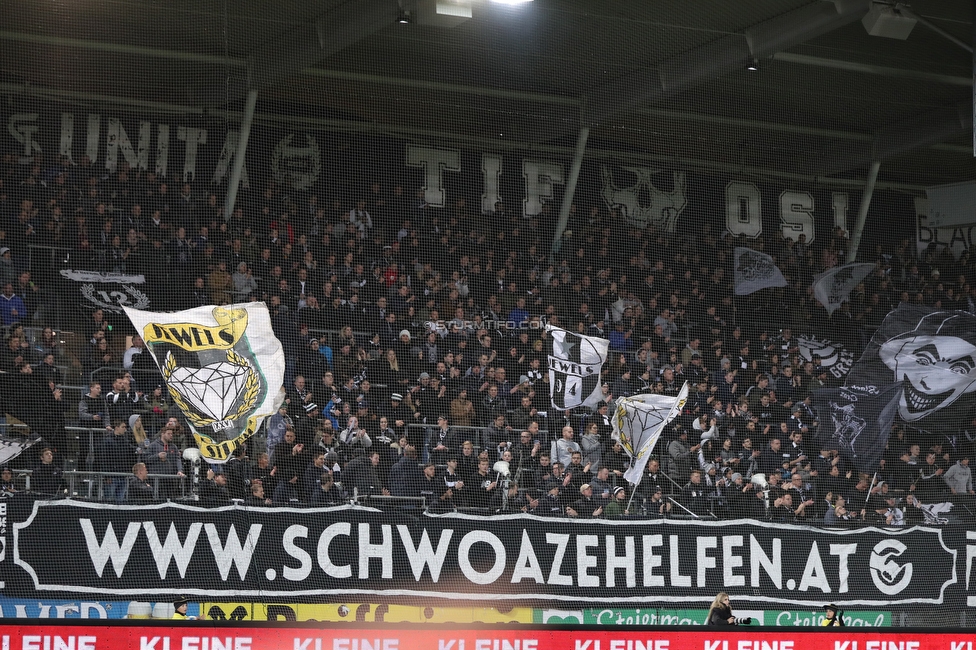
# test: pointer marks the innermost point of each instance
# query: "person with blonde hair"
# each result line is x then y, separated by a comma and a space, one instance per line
720, 613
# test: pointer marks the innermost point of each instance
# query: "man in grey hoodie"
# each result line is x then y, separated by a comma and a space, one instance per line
959, 478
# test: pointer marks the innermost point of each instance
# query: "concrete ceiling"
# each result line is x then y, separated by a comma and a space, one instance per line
530, 74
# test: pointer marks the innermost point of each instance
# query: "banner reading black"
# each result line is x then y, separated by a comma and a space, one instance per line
359, 552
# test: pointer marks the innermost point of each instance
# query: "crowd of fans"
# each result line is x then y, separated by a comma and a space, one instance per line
417, 358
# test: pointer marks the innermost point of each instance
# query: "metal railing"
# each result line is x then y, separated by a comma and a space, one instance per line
92, 484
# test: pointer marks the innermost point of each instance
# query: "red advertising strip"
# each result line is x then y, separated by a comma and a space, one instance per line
200, 636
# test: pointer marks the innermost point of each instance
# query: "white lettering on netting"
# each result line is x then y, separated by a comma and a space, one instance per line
118, 141
539, 178
322, 550
491, 173
562, 543
703, 560
677, 580
233, 552
193, 137
731, 561
743, 209
109, 548
424, 554
292, 549
527, 565
67, 136
773, 566
162, 150
434, 162
843, 551
172, 549
464, 559
814, 574
652, 560
23, 126
584, 560
382, 551
796, 215
625, 561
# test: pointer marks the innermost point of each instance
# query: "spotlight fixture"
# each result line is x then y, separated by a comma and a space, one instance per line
753, 66
404, 17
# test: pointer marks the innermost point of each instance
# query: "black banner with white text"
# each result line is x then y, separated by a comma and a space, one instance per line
359, 552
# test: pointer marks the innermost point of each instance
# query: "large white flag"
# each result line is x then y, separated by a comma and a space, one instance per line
834, 286
638, 422
755, 271
223, 367
575, 362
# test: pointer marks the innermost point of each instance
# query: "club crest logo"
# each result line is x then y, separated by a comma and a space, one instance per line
888, 575
753, 266
214, 375
216, 394
837, 359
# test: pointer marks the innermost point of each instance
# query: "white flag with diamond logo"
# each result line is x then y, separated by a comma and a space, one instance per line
223, 367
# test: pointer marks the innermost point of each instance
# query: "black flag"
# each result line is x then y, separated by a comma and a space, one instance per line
931, 355
856, 421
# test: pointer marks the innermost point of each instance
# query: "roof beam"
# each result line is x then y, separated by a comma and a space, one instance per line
780, 127
338, 75
120, 48
928, 130
720, 57
867, 68
291, 52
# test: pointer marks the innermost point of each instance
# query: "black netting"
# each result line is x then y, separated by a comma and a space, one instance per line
473, 239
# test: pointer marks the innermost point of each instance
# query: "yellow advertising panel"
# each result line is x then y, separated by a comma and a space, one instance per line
361, 612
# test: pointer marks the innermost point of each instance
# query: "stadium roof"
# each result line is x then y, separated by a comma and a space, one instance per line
664, 79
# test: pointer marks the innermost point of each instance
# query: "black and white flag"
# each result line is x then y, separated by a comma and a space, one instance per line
755, 271
108, 291
575, 362
930, 354
637, 425
856, 421
833, 287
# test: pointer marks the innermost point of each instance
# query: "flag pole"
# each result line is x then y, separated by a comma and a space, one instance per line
873, 479
632, 495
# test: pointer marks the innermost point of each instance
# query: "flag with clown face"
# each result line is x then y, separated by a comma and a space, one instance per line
930, 354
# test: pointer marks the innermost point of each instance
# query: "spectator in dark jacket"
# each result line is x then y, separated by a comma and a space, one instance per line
140, 490
164, 457
286, 461
117, 454
359, 477
47, 479
327, 492
213, 491
405, 475
585, 507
